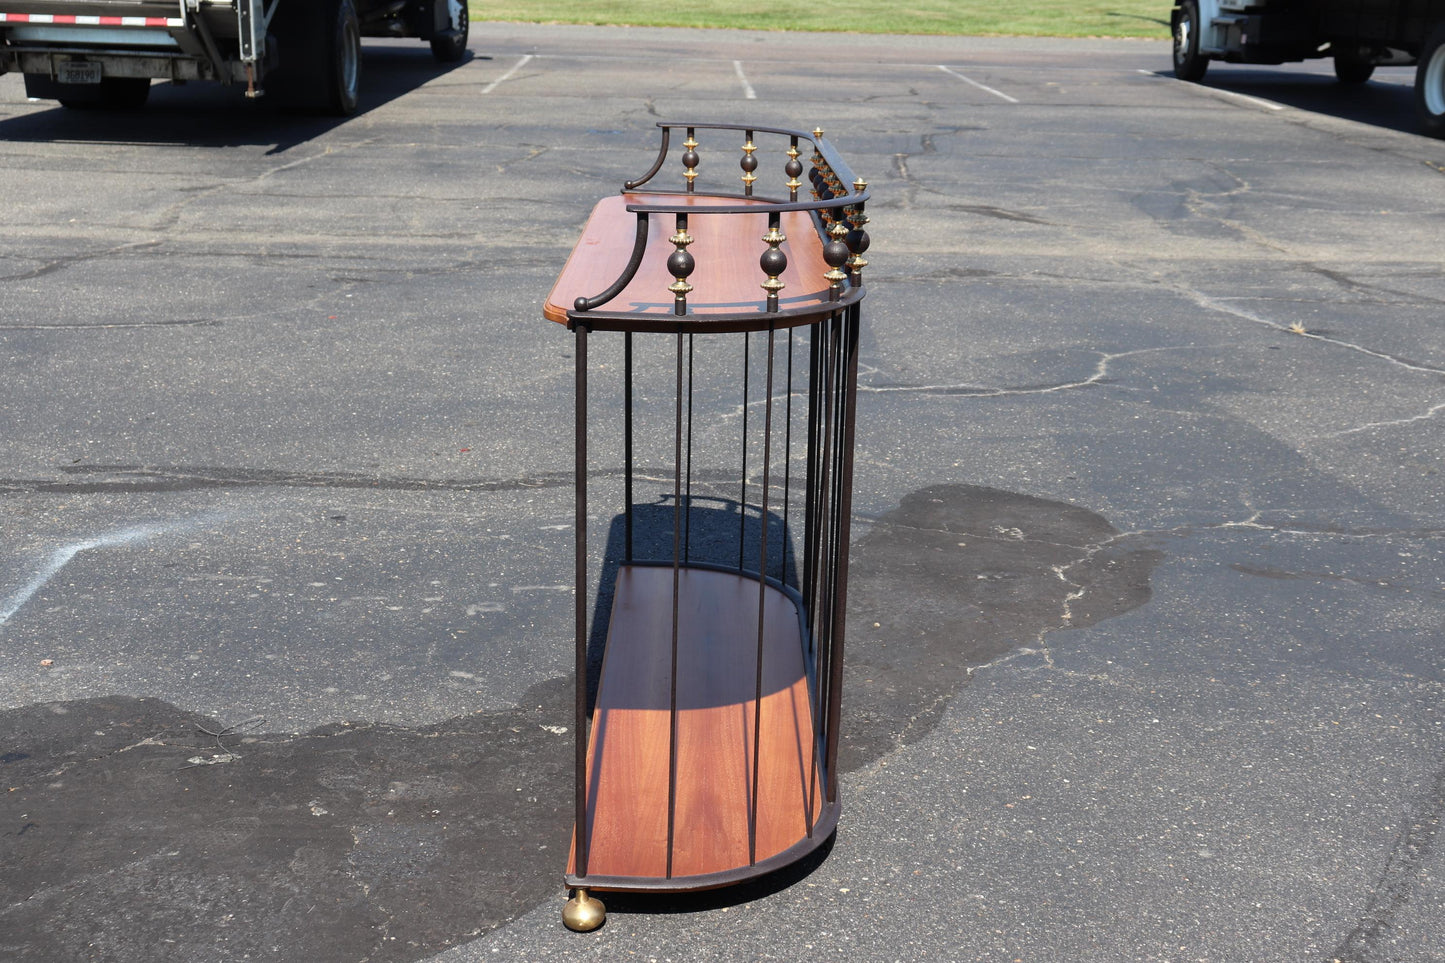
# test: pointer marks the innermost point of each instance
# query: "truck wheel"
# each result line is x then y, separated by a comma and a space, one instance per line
112, 93
1430, 84
343, 74
1352, 70
1188, 63
450, 46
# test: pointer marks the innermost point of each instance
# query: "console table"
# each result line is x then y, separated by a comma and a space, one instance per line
708, 755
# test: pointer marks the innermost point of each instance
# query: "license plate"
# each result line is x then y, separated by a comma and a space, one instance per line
78, 72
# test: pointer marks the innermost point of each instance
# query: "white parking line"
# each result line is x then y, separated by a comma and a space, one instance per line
748, 92
508, 75
983, 87
1246, 98
1271, 105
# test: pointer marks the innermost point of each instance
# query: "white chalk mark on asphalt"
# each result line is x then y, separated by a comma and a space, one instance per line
61, 557
748, 92
508, 75
984, 87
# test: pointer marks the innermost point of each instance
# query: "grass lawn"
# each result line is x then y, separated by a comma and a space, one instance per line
1030, 18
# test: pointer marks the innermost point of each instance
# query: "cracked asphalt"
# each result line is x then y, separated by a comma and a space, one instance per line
1144, 654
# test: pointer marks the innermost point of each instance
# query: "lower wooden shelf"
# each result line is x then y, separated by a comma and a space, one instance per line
659, 825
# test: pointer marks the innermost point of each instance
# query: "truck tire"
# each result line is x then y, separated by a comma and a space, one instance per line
451, 45
343, 60
1430, 83
319, 47
1352, 70
1189, 64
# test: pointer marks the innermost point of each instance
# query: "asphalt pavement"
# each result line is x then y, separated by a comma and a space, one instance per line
1144, 654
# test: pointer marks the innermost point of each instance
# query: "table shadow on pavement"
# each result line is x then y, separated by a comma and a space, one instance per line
132, 829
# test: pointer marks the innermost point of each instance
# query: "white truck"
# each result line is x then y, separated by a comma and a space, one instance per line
307, 53
1358, 34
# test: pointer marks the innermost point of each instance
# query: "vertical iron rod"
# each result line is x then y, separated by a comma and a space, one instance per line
831, 588
822, 569
787, 461
762, 598
810, 487
825, 479
687, 518
580, 524
627, 441
743, 497
834, 520
676, 579
809, 533
850, 405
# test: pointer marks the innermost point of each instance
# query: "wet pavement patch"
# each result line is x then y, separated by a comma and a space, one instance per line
957, 576
131, 829
129, 832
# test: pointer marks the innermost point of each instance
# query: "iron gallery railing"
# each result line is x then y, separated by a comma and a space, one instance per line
792, 467
837, 206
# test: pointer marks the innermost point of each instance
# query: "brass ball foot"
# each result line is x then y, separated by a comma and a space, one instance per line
583, 913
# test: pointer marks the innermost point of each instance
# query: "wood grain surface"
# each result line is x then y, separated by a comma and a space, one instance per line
726, 248
628, 759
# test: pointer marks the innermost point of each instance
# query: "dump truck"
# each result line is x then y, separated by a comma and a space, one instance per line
305, 53
1358, 35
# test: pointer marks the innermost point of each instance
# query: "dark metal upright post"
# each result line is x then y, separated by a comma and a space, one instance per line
743, 494
762, 599
676, 614
845, 511
580, 443
810, 486
627, 444
687, 493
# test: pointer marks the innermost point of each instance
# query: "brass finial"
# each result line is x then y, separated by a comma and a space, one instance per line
821, 170
793, 168
690, 159
836, 252
859, 186
749, 164
773, 261
680, 264
858, 242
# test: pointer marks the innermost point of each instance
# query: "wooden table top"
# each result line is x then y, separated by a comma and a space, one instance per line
726, 247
